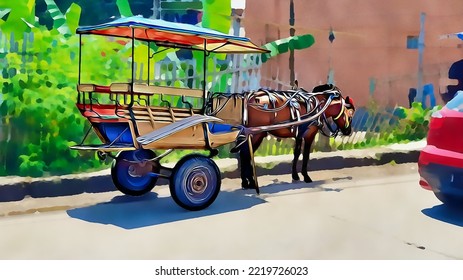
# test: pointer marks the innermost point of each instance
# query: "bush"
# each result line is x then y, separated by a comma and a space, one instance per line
38, 111
413, 123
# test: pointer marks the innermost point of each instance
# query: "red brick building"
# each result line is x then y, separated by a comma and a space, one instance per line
368, 58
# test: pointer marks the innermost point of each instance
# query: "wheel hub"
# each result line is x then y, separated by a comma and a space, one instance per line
140, 169
199, 184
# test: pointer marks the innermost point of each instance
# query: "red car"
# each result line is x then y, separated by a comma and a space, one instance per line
440, 164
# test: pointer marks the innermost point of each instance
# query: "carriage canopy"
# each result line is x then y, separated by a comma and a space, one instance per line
173, 34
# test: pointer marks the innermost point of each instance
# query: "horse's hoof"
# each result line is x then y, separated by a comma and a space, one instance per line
296, 177
247, 187
308, 180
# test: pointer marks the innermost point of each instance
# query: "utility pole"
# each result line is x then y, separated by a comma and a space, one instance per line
292, 32
331, 37
156, 9
419, 91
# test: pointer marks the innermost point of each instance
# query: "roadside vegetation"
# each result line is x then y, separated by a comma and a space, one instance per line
402, 125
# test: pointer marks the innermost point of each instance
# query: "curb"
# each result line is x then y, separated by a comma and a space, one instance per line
17, 188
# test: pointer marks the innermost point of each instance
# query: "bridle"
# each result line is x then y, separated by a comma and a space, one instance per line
346, 112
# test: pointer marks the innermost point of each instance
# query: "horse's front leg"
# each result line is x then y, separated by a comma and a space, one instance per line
297, 153
245, 166
256, 140
308, 140
247, 169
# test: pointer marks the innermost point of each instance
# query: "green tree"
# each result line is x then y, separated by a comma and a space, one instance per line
217, 15
38, 110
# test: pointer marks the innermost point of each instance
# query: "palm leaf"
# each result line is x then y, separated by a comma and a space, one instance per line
124, 8
217, 15
21, 13
59, 21
73, 17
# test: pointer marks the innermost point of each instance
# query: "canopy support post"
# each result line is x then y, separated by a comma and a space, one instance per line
148, 77
133, 57
80, 56
205, 97
132, 116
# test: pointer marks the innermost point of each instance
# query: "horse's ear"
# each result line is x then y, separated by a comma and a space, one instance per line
349, 101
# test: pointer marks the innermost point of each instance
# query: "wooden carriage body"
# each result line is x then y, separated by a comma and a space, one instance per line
133, 120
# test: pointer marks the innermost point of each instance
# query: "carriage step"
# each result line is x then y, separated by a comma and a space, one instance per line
104, 147
172, 128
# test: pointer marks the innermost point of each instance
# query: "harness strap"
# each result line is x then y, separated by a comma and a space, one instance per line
343, 112
340, 112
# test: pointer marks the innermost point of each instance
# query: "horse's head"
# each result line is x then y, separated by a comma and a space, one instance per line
341, 110
346, 113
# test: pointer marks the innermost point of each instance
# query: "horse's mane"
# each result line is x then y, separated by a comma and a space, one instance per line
324, 87
319, 88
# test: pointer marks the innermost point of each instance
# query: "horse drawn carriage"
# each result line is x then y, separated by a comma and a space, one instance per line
135, 119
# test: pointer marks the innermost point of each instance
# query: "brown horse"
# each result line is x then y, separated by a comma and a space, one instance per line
297, 114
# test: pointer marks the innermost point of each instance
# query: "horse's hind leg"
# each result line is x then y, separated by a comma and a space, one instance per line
305, 160
297, 153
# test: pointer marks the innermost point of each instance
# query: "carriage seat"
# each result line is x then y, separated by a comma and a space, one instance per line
151, 90
217, 128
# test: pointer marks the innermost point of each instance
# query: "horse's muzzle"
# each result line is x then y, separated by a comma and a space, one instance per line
346, 131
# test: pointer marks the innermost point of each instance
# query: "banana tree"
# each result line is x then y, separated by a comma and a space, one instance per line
20, 16
67, 23
124, 8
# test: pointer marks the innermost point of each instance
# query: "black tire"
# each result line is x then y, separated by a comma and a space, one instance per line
450, 201
195, 182
124, 181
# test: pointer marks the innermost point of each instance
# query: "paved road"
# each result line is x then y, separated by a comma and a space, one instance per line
353, 213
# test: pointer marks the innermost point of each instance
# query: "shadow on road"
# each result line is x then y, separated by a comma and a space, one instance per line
280, 187
445, 214
135, 212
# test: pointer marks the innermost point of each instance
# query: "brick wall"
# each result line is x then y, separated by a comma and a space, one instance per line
368, 58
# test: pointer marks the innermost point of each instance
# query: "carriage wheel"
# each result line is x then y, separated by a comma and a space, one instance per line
195, 182
125, 173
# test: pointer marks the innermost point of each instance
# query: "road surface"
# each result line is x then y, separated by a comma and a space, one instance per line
376, 212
